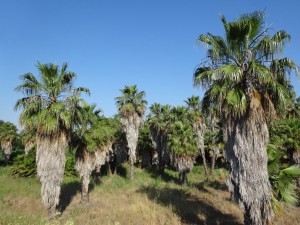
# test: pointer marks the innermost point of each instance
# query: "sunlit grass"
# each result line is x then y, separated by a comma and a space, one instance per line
150, 198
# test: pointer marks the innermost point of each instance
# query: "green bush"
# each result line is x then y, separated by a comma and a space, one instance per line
70, 170
25, 165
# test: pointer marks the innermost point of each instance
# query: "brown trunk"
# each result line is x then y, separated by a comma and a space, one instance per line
246, 139
50, 158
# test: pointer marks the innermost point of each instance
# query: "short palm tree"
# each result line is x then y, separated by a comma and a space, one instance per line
92, 140
51, 107
8, 132
247, 84
28, 139
182, 141
85, 160
194, 104
131, 107
158, 121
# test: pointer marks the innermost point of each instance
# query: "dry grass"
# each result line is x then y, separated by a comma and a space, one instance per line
148, 200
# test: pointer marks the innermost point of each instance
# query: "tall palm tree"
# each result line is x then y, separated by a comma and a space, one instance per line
8, 132
248, 84
131, 106
51, 106
194, 104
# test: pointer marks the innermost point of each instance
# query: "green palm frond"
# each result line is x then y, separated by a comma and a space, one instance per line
131, 101
244, 65
50, 102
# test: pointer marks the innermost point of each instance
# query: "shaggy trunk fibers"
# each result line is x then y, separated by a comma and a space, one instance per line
28, 146
131, 126
199, 128
159, 141
120, 152
184, 165
86, 162
214, 156
246, 140
6, 147
50, 158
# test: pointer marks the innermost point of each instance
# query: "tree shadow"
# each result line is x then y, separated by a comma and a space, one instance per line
189, 207
213, 184
68, 191
121, 171
155, 173
218, 185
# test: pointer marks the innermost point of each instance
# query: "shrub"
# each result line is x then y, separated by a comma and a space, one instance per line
25, 165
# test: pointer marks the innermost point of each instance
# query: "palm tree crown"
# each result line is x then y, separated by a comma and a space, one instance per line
50, 101
242, 65
131, 101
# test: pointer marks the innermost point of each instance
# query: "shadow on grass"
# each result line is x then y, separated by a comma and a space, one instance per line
155, 173
68, 191
188, 207
213, 184
121, 171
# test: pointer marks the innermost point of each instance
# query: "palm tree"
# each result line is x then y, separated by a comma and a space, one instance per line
28, 138
248, 84
92, 140
158, 121
51, 106
8, 132
85, 160
194, 104
182, 141
283, 179
131, 106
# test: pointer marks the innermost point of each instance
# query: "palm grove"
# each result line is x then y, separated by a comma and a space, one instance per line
249, 116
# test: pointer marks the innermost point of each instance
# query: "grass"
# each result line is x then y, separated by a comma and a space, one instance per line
115, 200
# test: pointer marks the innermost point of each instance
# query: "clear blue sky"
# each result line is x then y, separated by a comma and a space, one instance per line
113, 43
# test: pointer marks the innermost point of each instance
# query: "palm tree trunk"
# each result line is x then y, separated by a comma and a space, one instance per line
184, 165
204, 161
199, 128
213, 162
86, 162
213, 158
28, 146
6, 147
131, 169
50, 158
85, 189
246, 139
131, 126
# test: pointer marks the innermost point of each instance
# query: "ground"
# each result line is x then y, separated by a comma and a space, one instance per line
115, 200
